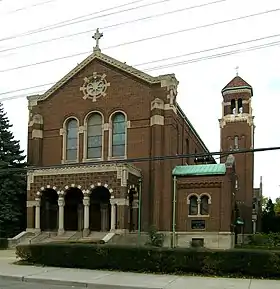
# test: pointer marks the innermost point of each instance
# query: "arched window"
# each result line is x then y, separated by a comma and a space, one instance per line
72, 140
118, 135
240, 105
94, 136
204, 205
232, 106
193, 207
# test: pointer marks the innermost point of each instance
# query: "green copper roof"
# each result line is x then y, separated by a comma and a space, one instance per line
199, 170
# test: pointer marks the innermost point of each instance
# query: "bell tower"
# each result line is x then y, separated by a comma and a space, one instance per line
237, 132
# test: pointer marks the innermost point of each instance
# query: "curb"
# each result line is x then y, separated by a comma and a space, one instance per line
71, 283
45, 281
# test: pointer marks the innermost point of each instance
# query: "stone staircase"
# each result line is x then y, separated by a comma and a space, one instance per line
127, 239
66, 236
94, 236
41, 237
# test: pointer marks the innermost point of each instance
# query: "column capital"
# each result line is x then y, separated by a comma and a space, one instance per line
61, 202
37, 202
86, 201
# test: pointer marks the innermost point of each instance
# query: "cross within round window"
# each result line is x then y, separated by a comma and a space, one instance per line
94, 86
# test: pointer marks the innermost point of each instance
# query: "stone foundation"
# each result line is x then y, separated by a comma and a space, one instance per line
211, 240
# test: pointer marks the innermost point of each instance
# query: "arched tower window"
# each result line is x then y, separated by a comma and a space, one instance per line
236, 146
204, 205
118, 134
232, 106
94, 136
240, 105
72, 139
193, 206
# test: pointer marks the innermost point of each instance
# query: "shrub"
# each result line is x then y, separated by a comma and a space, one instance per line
151, 259
156, 239
266, 240
3, 243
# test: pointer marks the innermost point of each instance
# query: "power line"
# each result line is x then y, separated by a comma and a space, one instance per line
156, 158
175, 63
144, 39
113, 25
30, 6
55, 26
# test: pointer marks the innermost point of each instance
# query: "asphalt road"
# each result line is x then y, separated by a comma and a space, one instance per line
7, 284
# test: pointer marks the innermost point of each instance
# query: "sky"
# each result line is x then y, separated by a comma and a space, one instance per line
201, 73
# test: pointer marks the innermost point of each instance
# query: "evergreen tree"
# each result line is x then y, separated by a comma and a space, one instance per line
12, 181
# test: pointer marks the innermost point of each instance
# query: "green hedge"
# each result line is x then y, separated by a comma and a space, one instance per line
144, 259
3, 243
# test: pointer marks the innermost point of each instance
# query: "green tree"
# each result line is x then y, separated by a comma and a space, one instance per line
12, 181
277, 206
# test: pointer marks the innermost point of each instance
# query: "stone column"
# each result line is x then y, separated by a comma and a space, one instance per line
199, 206
86, 202
104, 217
37, 214
113, 215
61, 204
122, 213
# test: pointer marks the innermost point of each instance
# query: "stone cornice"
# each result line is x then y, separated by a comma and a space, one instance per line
230, 118
164, 80
237, 90
202, 184
81, 169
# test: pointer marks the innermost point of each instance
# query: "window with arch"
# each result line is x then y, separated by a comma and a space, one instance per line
94, 136
240, 105
204, 205
193, 206
118, 134
72, 139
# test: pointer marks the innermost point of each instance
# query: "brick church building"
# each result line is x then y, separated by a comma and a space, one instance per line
93, 139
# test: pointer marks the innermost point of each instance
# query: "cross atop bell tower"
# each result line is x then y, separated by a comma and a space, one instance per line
97, 36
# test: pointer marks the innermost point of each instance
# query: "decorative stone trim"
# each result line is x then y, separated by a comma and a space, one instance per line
163, 79
157, 120
237, 90
37, 133
64, 170
135, 204
106, 126
157, 103
36, 119
243, 102
119, 202
230, 118
102, 185
169, 106
30, 204
192, 185
171, 83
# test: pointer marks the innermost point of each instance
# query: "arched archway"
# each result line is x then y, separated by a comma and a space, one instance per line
49, 210
100, 209
73, 210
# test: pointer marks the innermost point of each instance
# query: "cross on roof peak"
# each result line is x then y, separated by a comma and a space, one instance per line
97, 36
236, 69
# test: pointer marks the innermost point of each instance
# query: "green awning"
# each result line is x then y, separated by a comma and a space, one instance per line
199, 170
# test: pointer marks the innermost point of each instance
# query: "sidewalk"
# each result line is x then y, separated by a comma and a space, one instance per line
108, 280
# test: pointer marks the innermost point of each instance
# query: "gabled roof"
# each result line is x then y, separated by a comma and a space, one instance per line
237, 83
106, 59
199, 170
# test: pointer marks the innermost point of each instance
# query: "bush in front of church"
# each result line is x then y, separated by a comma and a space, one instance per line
238, 263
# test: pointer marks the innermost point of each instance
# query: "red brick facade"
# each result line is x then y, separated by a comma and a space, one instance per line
155, 126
